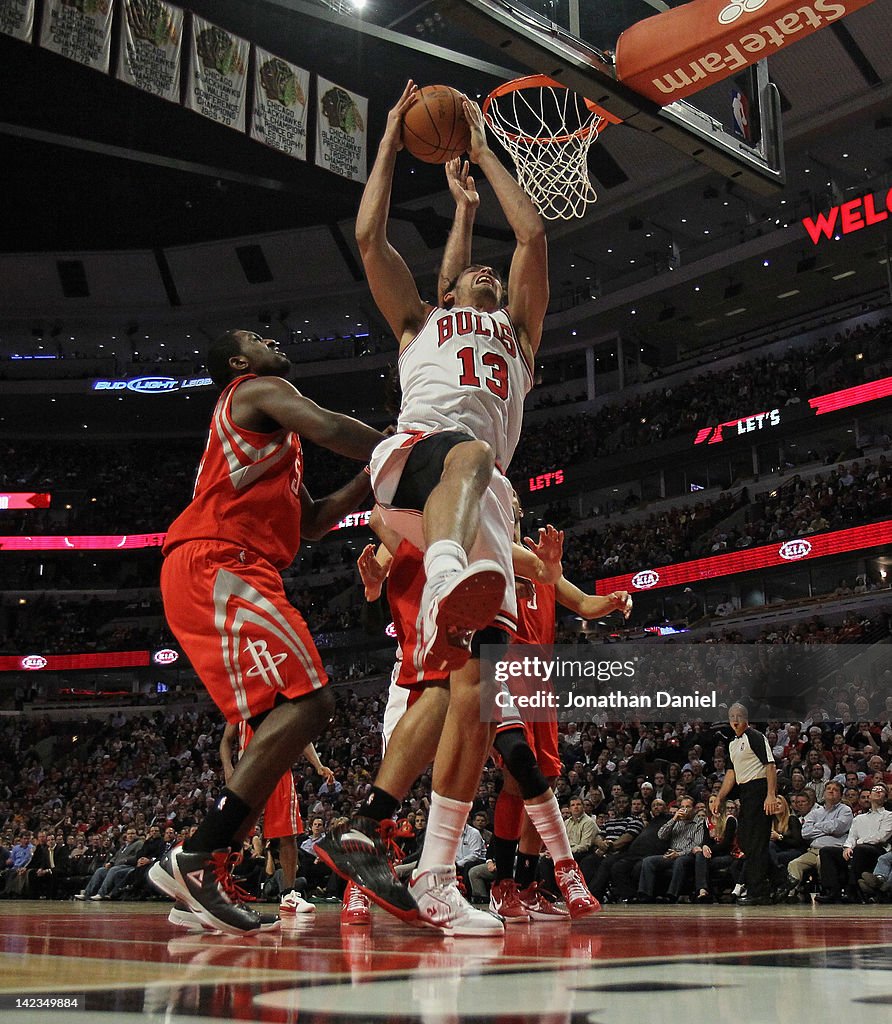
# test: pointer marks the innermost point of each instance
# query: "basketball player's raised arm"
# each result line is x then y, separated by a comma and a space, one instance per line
528, 279
282, 402
373, 565
319, 515
592, 606
392, 285
457, 254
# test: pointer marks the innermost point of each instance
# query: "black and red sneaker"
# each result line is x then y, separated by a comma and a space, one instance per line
202, 881
357, 852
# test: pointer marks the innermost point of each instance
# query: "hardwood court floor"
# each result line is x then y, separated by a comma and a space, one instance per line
769, 965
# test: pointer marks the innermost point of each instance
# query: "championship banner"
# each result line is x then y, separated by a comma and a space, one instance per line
79, 30
341, 119
682, 50
218, 74
17, 19
281, 91
150, 42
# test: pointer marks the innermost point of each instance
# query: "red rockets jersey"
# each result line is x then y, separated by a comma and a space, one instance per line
536, 613
247, 491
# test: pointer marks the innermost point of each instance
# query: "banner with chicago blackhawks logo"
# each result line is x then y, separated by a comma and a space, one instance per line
281, 92
341, 125
218, 74
79, 30
17, 19
149, 47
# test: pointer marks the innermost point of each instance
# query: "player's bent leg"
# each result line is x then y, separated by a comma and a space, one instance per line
198, 873
544, 812
452, 510
410, 750
413, 743
465, 739
463, 748
458, 598
287, 728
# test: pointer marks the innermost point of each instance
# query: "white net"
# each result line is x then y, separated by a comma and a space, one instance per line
548, 130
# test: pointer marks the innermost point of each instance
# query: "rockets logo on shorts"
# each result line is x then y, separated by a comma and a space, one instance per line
265, 663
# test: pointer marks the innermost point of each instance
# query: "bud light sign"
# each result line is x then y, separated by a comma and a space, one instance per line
152, 385
794, 549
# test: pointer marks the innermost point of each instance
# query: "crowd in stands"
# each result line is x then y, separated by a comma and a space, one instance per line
85, 806
858, 492
706, 399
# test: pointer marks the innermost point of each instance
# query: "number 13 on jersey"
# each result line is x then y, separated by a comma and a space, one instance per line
494, 366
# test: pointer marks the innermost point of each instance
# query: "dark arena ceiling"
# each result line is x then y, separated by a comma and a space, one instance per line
91, 164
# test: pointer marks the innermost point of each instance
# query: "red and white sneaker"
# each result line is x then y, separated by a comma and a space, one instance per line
505, 901
356, 908
538, 907
441, 905
574, 890
455, 604
293, 903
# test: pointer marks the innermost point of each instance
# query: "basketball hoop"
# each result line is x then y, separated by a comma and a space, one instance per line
548, 130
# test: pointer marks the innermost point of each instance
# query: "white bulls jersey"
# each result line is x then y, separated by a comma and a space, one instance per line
465, 370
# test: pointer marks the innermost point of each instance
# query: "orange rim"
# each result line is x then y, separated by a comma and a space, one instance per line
544, 82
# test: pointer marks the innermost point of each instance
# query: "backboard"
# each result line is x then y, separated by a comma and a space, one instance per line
732, 126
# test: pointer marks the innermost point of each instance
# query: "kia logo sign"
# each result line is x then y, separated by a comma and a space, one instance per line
645, 579
794, 549
165, 657
728, 15
34, 661
391, 630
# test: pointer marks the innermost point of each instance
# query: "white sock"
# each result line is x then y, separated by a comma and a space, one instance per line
546, 817
445, 822
444, 556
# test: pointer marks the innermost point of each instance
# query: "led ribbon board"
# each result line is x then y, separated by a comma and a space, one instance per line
816, 546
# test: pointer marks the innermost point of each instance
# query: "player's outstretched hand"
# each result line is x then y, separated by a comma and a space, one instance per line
327, 774
461, 184
549, 548
474, 117
372, 573
622, 602
393, 133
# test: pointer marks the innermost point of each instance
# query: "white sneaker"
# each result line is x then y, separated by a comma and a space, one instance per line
441, 905
293, 903
182, 917
455, 604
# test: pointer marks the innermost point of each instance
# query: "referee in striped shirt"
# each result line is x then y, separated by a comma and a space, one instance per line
752, 778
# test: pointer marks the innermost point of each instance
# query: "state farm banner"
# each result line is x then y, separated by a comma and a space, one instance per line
79, 30
281, 92
680, 51
150, 41
341, 119
17, 19
218, 74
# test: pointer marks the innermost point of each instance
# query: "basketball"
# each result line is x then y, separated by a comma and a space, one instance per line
434, 127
